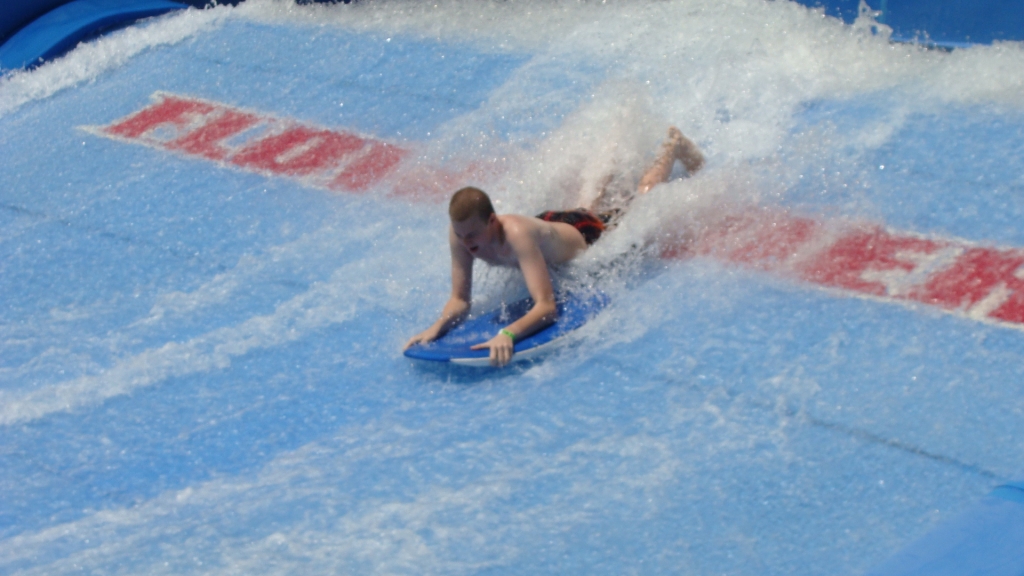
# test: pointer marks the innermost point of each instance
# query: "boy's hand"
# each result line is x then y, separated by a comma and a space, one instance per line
501, 347
428, 335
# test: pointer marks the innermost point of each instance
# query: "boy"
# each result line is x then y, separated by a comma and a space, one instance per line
531, 244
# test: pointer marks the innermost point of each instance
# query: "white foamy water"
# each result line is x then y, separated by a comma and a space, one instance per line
201, 368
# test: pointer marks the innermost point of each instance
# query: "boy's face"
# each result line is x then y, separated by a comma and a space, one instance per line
474, 232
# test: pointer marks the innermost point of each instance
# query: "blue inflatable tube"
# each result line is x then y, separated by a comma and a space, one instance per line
943, 23
34, 31
987, 539
62, 28
15, 15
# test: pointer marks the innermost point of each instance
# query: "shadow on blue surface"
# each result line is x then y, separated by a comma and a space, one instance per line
984, 540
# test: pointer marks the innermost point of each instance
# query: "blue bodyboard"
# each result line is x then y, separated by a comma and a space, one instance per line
574, 310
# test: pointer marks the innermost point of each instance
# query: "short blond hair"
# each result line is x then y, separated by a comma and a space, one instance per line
470, 201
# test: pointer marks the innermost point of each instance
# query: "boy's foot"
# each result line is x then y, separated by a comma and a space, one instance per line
684, 150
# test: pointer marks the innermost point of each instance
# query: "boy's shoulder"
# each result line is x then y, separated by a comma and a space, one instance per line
520, 227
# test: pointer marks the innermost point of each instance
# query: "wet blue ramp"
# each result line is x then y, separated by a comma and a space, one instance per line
201, 365
105, 243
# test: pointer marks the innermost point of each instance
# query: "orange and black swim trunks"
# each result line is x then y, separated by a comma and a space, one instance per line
588, 223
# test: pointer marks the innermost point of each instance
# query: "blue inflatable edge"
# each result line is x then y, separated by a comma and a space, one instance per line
944, 24
62, 28
987, 539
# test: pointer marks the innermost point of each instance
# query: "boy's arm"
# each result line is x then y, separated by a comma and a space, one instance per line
457, 307
538, 282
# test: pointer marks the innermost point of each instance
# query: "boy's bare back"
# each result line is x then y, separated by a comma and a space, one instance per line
558, 242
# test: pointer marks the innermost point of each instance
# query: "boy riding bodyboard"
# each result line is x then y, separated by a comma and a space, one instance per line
531, 244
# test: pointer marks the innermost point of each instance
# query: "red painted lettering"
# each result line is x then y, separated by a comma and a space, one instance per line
207, 140
1012, 308
370, 168
871, 261
166, 111
767, 241
337, 159
977, 276
298, 151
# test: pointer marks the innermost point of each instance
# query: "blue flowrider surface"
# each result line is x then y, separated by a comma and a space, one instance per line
574, 310
219, 228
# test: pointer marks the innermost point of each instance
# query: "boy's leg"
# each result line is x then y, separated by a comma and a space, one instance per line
675, 147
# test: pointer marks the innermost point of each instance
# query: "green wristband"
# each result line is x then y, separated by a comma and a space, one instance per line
508, 333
